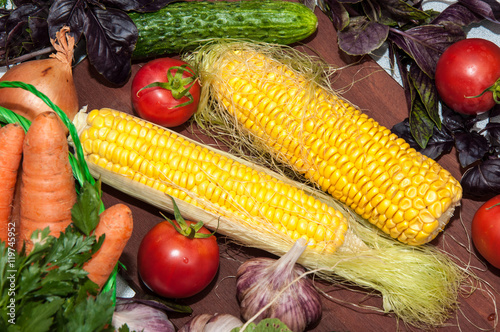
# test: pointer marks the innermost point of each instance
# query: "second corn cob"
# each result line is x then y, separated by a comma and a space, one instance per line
333, 144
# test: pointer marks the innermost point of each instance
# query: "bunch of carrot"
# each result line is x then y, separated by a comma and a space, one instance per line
37, 190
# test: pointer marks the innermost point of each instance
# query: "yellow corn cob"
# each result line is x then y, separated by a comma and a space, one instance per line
163, 160
334, 145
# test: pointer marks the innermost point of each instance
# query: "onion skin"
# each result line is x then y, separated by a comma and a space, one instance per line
52, 76
44, 74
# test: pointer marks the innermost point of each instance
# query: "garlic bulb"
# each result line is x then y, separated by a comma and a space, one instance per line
211, 323
265, 281
141, 317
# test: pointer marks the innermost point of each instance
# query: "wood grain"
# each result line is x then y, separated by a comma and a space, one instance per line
368, 86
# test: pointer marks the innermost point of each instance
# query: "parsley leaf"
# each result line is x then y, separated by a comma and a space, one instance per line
48, 289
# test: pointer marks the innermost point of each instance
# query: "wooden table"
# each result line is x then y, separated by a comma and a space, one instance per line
377, 94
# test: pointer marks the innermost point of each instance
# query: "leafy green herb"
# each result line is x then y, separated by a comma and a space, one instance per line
265, 325
48, 290
85, 213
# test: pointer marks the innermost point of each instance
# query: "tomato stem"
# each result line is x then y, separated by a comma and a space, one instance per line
190, 231
494, 89
178, 85
491, 207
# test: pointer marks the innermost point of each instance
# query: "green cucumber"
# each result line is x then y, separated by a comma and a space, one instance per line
181, 26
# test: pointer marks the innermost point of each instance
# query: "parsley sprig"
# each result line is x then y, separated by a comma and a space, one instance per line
48, 289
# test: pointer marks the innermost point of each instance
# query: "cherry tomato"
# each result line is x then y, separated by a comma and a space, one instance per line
170, 103
485, 231
466, 69
174, 265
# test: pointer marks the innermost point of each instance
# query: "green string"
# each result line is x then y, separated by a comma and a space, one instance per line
80, 168
7, 116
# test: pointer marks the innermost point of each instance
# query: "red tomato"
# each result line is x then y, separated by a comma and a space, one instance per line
158, 104
467, 68
486, 231
175, 266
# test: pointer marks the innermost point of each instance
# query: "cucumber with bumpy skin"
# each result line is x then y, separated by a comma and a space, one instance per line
181, 26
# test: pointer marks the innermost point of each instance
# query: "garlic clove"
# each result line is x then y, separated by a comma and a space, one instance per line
196, 324
222, 323
211, 323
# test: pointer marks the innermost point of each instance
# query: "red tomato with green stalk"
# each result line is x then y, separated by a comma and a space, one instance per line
485, 231
178, 259
467, 76
165, 91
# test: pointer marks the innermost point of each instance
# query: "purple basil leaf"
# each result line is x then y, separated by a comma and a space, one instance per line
402, 130
495, 111
362, 36
136, 5
427, 92
471, 147
493, 133
39, 31
426, 43
488, 9
17, 35
441, 142
39, 3
492, 128
402, 11
373, 11
111, 37
453, 121
67, 13
458, 14
19, 17
350, 1
421, 126
336, 13
19, 3
3, 35
483, 180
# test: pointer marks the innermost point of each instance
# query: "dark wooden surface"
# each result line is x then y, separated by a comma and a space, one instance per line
365, 84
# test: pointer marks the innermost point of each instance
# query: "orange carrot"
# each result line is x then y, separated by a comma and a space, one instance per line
116, 223
48, 187
11, 151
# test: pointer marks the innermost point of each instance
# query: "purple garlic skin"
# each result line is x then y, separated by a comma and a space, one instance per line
196, 324
211, 323
260, 280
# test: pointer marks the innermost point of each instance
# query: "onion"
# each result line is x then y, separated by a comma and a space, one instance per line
52, 76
